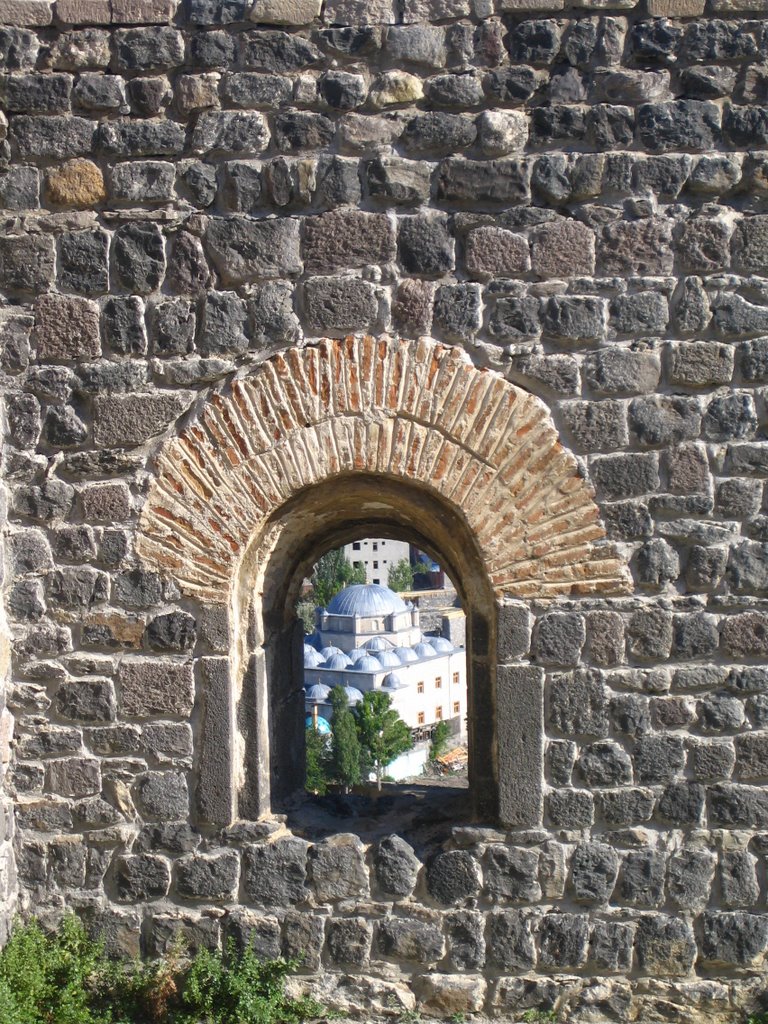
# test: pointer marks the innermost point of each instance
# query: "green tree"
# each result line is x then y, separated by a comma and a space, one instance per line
383, 734
439, 742
345, 744
318, 761
400, 576
305, 612
331, 574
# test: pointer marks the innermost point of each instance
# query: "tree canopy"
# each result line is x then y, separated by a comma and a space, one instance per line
400, 576
382, 732
332, 573
346, 755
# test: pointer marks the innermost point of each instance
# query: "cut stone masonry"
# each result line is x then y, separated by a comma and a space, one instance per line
492, 274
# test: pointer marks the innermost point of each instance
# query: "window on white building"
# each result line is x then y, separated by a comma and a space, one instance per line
438, 682
438, 714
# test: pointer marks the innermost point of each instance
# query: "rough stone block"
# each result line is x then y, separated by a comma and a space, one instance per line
395, 867
563, 248
142, 877
243, 250
211, 876
496, 252
520, 718
162, 796
337, 869
275, 873
337, 304
510, 944
511, 873
347, 239
129, 420
27, 263
154, 687
453, 876
410, 939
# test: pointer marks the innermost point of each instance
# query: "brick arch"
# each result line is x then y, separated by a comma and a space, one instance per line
414, 411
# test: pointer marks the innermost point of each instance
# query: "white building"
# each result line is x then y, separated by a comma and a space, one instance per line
368, 638
376, 555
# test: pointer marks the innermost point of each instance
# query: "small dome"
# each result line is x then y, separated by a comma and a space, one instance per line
354, 696
312, 658
441, 645
366, 664
356, 654
392, 681
388, 659
365, 599
424, 650
338, 662
406, 655
318, 693
322, 725
328, 652
376, 643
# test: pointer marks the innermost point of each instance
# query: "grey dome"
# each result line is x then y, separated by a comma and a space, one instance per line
392, 681
441, 645
338, 662
367, 664
376, 643
328, 652
388, 659
354, 696
406, 655
312, 658
425, 650
356, 654
365, 599
318, 693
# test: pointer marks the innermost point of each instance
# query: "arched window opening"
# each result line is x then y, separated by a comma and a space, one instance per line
448, 694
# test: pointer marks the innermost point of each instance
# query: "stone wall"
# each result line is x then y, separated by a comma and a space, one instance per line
574, 197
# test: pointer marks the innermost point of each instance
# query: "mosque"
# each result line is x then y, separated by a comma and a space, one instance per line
368, 638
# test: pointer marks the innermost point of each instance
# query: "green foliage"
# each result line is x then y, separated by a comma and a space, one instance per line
305, 612
318, 761
382, 732
48, 979
237, 988
67, 978
439, 743
331, 574
400, 576
754, 1018
539, 1017
345, 745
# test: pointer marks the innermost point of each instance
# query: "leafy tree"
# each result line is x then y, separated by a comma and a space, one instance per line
400, 576
332, 573
383, 734
439, 741
345, 744
305, 611
318, 758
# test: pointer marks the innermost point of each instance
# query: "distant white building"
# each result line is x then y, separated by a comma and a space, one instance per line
376, 555
368, 638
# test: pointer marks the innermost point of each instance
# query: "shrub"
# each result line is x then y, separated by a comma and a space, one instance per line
67, 978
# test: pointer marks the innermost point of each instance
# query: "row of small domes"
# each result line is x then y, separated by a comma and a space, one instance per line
374, 655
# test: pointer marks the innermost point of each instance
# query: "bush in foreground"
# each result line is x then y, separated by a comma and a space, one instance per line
67, 978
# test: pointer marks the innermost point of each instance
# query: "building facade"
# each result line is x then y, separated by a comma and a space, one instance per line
376, 555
